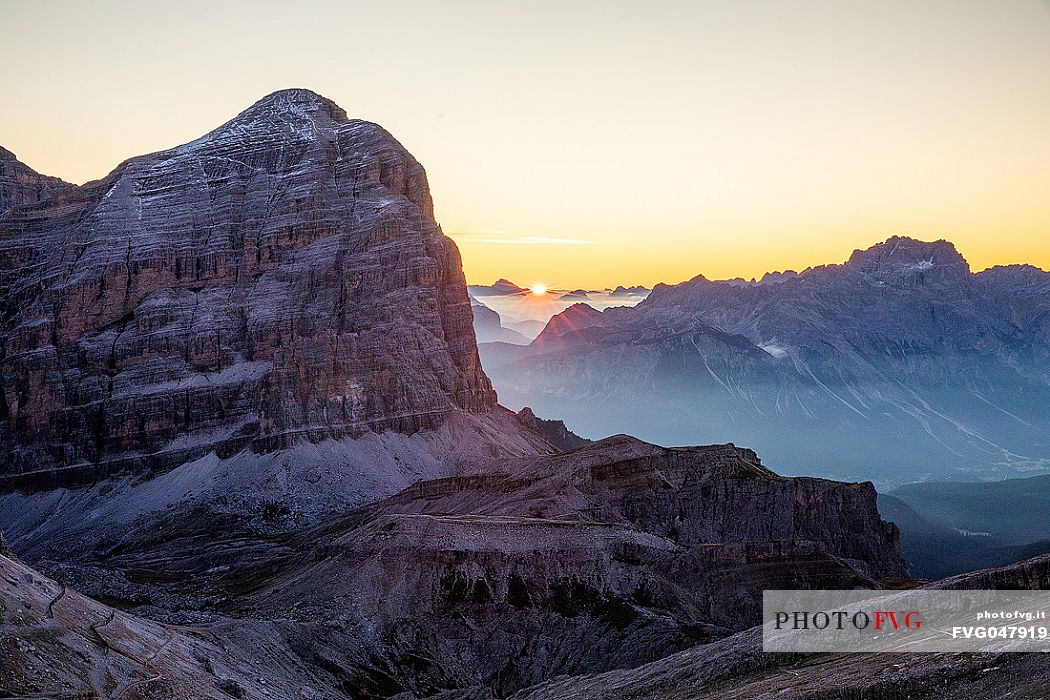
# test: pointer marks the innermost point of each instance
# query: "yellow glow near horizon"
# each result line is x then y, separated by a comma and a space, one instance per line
539, 289
596, 143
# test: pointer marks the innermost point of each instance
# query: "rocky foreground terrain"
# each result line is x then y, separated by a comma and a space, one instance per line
736, 667
249, 451
899, 365
610, 555
74, 647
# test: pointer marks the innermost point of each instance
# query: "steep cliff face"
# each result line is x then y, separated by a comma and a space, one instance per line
279, 280
692, 496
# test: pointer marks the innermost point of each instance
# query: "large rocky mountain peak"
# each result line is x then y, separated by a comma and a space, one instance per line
278, 280
901, 255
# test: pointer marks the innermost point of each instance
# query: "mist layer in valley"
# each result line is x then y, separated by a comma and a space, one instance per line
899, 365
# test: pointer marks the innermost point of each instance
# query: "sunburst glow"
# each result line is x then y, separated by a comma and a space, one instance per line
539, 289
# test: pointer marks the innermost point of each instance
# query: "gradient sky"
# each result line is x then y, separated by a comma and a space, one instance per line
589, 144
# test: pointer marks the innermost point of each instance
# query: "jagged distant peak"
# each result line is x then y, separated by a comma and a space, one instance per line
901, 252
638, 290
581, 308
573, 319
504, 282
777, 277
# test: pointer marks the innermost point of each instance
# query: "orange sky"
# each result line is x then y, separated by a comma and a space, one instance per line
590, 144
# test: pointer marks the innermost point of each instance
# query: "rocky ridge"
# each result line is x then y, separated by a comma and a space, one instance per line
553, 431
566, 326
607, 556
21, 186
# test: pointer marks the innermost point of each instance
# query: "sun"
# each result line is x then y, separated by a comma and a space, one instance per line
539, 289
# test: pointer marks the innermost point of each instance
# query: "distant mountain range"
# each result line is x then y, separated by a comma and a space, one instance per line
507, 313
899, 365
504, 287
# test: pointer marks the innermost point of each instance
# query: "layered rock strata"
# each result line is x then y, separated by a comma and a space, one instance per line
281, 279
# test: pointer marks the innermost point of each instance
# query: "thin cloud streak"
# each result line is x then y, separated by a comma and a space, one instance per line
522, 240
